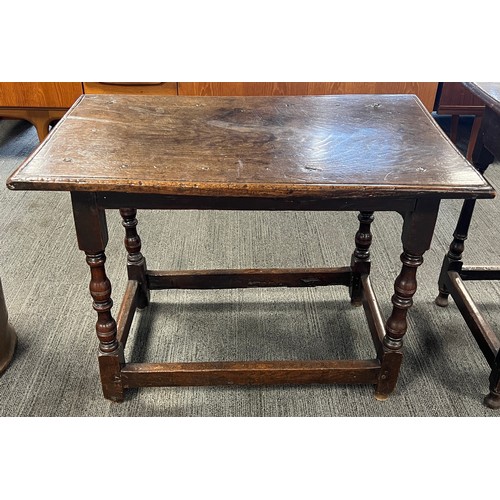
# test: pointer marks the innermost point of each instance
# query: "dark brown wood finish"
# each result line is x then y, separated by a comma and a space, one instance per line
453, 272
488, 92
250, 373
92, 235
360, 260
454, 99
362, 153
268, 147
247, 278
373, 316
126, 312
136, 263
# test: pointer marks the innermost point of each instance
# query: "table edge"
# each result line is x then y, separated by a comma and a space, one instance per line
257, 190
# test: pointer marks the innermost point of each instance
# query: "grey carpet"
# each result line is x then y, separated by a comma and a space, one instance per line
55, 373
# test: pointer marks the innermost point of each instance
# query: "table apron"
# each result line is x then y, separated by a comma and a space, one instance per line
108, 200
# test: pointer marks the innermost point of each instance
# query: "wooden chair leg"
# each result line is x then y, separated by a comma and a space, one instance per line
476, 126
454, 128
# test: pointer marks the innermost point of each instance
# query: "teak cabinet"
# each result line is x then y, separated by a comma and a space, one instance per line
424, 90
43, 103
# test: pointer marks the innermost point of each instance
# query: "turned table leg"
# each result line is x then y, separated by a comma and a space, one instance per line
91, 230
418, 229
492, 400
453, 259
482, 158
136, 263
360, 260
110, 352
405, 287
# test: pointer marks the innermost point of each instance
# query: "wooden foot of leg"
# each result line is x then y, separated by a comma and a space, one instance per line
492, 400
442, 299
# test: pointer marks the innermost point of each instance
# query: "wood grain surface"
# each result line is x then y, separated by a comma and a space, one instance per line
320, 146
39, 94
139, 88
426, 91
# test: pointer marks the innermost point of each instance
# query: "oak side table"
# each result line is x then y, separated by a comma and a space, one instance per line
453, 272
359, 153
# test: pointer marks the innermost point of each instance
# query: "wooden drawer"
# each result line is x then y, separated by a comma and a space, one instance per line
144, 88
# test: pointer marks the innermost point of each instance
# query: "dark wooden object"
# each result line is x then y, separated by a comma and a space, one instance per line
8, 338
363, 153
453, 272
454, 99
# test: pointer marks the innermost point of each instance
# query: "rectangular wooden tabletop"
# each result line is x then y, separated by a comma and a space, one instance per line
318, 146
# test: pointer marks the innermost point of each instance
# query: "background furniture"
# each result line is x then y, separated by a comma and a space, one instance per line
40, 103
43, 103
425, 91
456, 100
453, 272
139, 88
7, 335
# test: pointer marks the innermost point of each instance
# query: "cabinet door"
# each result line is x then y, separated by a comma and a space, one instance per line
144, 88
426, 91
39, 94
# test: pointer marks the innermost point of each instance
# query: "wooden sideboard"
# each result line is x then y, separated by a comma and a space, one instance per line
40, 103
43, 103
426, 91
141, 88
